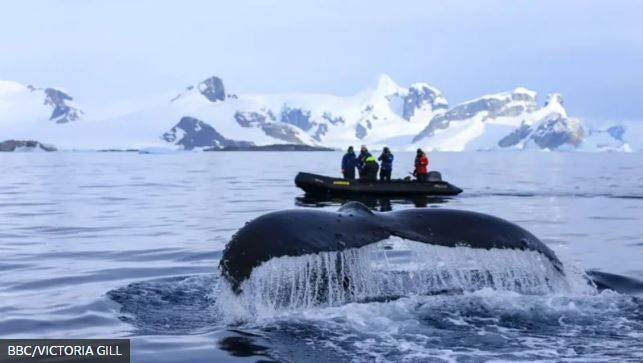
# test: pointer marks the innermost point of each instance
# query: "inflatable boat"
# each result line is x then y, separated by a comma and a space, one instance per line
318, 184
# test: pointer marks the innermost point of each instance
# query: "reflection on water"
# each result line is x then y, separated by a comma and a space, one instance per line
379, 203
244, 344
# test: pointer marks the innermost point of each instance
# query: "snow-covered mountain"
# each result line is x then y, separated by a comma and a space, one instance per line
26, 112
314, 119
369, 117
613, 136
515, 121
500, 121
24, 145
208, 115
20, 104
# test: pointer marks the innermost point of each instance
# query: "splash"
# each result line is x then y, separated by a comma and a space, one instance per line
483, 325
390, 269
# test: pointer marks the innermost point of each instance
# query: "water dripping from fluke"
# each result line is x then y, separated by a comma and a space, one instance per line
388, 270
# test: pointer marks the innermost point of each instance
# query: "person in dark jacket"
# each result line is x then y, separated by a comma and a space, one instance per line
421, 166
387, 164
349, 161
361, 159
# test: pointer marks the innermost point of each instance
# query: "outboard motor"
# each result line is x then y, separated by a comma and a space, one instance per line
434, 176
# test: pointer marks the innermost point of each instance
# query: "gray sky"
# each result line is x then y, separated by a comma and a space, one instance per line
112, 53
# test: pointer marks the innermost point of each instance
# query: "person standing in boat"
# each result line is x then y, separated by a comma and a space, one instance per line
369, 170
387, 164
421, 166
349, 161
361, 160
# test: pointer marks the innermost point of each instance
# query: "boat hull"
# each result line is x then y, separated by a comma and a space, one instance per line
323, 185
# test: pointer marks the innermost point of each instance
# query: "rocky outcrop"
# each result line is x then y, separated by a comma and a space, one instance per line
360, 131
516, 136
281, 132
250, 119
322, 128
555, 97
500, 105
63, 111
422, 96
212, 88
302, 119
365, 124
265, 121
333, 120
191, 133
552, 132
296, 117
616, 132
557, 131
274, 147
24, 145
321, 131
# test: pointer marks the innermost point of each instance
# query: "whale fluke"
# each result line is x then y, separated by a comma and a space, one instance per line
300, 232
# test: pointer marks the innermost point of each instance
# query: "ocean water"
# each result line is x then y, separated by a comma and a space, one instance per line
127, 245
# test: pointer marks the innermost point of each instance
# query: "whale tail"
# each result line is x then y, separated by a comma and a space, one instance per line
305, 232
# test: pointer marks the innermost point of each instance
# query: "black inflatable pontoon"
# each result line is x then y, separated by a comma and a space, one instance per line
319, 184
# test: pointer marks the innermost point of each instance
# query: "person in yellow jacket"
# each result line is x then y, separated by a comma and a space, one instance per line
368, 165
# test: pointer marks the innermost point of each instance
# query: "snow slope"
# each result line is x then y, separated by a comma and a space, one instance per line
20, 105
624, 136
207, 115
367, 117
508, 120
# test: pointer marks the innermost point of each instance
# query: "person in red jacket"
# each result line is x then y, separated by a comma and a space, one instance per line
421, 166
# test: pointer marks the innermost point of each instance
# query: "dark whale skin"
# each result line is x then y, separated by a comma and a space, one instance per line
299, 232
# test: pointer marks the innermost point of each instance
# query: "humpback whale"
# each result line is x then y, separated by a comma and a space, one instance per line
300, 232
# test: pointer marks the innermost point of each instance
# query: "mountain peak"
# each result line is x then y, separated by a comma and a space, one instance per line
424, 98
213, 89
63, 112
24, 100
555, 104
555, 98
525, 91
423, 86
386, 85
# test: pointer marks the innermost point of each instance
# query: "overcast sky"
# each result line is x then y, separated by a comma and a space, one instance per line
110, 53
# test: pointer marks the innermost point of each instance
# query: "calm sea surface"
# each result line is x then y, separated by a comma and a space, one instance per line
127, 245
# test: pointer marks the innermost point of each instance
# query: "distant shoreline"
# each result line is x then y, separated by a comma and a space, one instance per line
274, 147
20, 145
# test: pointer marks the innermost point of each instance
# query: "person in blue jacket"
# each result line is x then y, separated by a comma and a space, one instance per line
349, 162
387, 164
